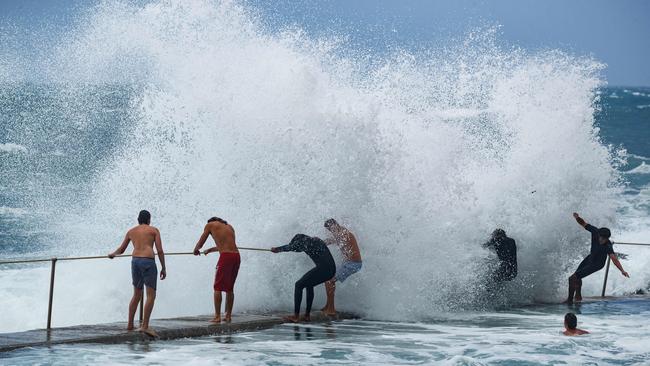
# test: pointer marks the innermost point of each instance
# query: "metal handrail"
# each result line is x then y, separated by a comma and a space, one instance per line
641, 244
609, 260
53, 261
36, 260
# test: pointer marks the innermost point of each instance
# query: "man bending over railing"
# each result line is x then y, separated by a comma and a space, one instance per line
143, 267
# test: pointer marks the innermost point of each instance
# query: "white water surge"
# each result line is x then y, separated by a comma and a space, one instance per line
420, 155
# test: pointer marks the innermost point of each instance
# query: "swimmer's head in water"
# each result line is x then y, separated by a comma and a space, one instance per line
570, 321
217, 219
331, 224
498, 233
144, 217
604, 234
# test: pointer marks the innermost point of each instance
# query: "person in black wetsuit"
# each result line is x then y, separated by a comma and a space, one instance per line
601, 247
506, 250
325, 269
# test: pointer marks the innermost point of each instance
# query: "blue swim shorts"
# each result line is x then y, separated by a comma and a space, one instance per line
144, 272
346, 269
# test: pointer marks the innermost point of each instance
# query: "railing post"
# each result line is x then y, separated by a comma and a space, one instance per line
49, 306
141, 307
606, 273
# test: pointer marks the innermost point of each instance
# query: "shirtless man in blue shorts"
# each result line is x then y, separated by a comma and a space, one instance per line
352, 264
143, 267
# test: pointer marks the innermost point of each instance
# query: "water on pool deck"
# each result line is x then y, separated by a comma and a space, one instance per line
524, 336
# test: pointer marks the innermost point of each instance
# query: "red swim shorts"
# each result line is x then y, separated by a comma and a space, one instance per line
227, 269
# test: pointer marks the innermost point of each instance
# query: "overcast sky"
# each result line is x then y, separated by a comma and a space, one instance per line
616, 32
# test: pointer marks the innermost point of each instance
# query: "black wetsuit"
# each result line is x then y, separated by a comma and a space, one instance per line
506, 250
325, 268
597, 257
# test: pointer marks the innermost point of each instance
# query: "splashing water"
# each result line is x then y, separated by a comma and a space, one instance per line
420, 155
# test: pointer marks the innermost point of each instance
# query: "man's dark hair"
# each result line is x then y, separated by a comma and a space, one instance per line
218, 219
571, 320
144, 217
330, 222
604, 233
300, 239
498, 233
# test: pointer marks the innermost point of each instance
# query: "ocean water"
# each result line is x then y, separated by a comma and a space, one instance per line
522, 336
195, 109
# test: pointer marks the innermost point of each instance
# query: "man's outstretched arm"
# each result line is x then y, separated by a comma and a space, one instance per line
291, 247
283, 248
210, 250
618, 265
299, 243
161, 255
580, 220
202, 239
121, 248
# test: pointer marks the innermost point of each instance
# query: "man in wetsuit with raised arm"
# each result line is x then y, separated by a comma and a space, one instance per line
325, 269
601, 247
143, 267
223, 235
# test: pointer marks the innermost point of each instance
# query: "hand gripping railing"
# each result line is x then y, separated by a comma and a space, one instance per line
609, 260
53, 272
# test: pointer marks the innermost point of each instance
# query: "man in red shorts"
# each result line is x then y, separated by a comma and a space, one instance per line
228, 265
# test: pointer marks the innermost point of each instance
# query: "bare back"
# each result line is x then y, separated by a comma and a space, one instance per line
143, 238
348, 244
574, 332
223, 236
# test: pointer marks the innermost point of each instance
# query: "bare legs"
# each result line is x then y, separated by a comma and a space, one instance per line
217, 307
148, 307
330, 289
230, 300
133, 306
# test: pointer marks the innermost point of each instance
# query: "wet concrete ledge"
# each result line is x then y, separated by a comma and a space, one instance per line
173, 328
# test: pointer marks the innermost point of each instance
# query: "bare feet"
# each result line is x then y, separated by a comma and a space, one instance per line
291, 319
150, 332
216, 320
578, 299
130, 327
305, 318
227, 318
329, 311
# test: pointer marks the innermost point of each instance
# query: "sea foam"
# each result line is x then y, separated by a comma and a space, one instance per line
421, 155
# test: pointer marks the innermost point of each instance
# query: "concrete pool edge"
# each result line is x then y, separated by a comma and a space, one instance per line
167, 329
